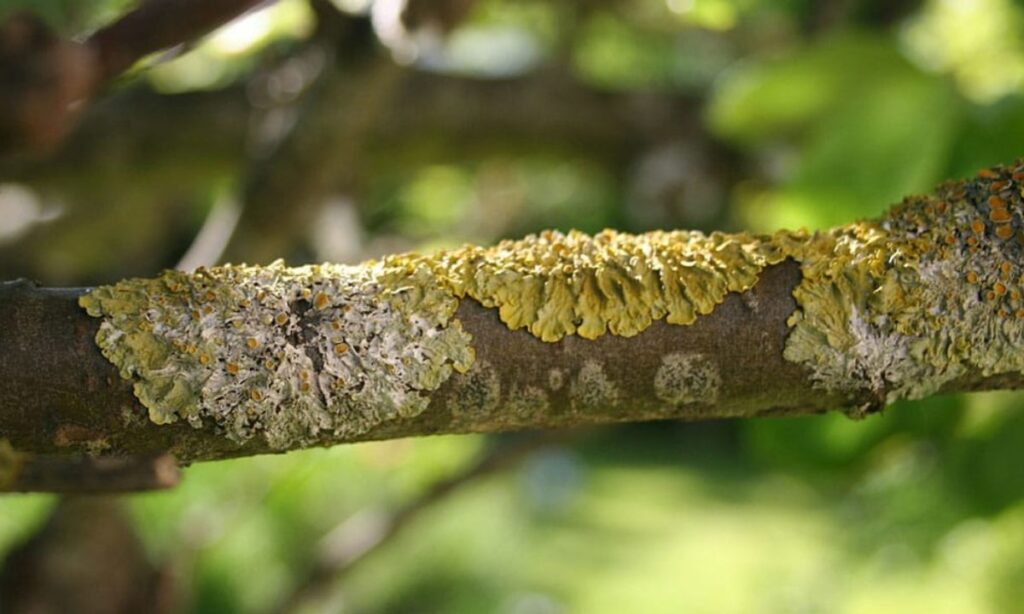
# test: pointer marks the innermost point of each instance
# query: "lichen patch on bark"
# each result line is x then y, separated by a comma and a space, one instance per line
686, 378
286, 353
908, 303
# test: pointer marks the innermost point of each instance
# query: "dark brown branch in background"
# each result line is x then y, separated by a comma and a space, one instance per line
46, 81
157, 25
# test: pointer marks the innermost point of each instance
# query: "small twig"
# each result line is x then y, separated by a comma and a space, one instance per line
365, 532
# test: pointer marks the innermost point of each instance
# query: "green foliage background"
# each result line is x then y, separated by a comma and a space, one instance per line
916, 510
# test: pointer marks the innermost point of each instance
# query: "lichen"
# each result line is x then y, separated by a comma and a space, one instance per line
933, 290
592, 390
556, 284
525, 403
288, 353
687, 378
478, 393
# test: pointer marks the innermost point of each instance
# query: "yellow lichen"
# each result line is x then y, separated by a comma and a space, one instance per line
897, 308
555, 284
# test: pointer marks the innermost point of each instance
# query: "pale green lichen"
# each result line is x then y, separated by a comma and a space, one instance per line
289, 353
686, 378
476, 394
525, 403
902, 306
592, 389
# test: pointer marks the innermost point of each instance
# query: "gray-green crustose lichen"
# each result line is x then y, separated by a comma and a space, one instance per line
288, 353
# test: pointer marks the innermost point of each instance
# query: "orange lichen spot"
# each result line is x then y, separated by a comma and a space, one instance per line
1005, 269
281, 319
972, 277
269, 364
233, 368
988, 173
999, 289
255, 394
995, 202
321, 301
1018, 176
341, 348
204, 359
1004, 231
209, 295
196, 315
1014, 295
304, 376
304, 386
950, 239
252, 343
1000, 215
998, 186
245, 303
978, 226
990, 296
1020, 314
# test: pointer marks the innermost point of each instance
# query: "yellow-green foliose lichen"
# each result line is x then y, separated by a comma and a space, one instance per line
903, 305
289, 353
556, 284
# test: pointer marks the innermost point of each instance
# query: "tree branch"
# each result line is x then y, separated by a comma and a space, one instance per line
552, 331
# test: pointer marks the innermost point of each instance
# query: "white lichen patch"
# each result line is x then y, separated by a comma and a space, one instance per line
592, 390
933, 290
686, 378
290, 354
